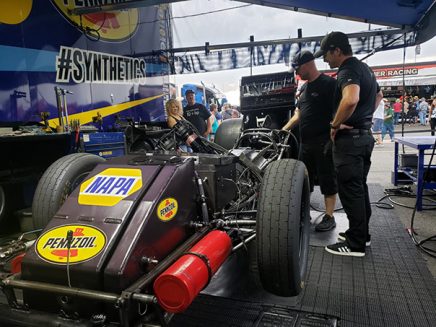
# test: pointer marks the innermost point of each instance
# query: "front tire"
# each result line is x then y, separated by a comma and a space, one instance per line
283, 221
57, 182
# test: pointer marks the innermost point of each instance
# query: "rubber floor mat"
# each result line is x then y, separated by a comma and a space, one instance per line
215, 311
390, 286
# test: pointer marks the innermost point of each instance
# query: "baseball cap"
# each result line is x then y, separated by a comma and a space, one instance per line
301, 58
331, 41
189, 91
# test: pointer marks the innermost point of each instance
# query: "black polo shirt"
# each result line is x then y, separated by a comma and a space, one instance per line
353, 71
316, 109
197, 114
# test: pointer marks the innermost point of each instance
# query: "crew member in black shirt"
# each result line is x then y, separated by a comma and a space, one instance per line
314, 113
197, 114
356, 98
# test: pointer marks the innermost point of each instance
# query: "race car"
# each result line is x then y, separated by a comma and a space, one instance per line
133, 240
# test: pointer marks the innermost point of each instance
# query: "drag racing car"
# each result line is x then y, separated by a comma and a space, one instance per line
132, 240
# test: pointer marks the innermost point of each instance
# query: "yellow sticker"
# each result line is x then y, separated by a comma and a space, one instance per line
111, 26
87, 242
167, 209
110, 186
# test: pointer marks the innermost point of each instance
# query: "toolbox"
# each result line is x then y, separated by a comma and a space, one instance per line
104, 144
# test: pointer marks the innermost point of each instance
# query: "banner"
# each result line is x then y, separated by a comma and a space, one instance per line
201, 62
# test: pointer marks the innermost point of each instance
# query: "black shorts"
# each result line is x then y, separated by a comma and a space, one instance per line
318, 159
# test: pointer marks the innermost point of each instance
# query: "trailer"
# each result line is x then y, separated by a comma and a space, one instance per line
64, 74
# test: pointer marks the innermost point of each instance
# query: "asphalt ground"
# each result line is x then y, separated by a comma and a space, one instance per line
382, 166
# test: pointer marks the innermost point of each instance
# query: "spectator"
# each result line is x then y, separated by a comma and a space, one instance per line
412, 113
229, 113
216, 122
197, 115
388, 125
405, 111
422, 111
174, 112
377, 121
432, 116
397, 111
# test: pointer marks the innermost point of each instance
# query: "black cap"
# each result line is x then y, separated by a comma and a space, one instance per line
189, 91
301, 58
332, 41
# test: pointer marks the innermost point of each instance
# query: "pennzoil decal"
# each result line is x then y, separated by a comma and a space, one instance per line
167, 209
87, 242
110, 186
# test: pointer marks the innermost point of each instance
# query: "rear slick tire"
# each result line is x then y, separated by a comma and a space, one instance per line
57, 182
283, 221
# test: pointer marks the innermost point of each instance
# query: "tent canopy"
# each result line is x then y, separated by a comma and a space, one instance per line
417, 14
414, 22
383, 12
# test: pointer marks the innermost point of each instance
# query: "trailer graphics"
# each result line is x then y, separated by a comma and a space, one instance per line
60, 71
81, 66
113, 26
93, 58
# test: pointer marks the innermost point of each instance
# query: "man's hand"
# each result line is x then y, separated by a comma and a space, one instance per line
334, 130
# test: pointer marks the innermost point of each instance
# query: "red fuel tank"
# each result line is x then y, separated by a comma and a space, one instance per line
177, 286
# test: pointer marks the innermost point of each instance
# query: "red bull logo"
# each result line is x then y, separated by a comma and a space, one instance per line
87, 242
110, 26
167, 209
110, 186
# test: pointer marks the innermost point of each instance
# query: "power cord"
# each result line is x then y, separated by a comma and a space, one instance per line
69, 241
411, 231
379, 204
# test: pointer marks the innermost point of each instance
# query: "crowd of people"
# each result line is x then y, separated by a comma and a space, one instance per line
412, 110
206, 121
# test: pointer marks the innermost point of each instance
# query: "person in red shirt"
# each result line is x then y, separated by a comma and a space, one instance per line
397, 110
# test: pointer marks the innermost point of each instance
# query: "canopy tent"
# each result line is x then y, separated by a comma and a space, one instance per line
410, 22
418, 14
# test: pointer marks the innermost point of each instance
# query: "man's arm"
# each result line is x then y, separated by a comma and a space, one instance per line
209, 126
350, 98
295, 119
378, 98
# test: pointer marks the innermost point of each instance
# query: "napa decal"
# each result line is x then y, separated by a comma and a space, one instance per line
110, 186
109, 26
86, 242
167, 209
80, 66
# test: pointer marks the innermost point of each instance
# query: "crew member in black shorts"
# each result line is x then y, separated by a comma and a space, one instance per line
313, 114
357, 96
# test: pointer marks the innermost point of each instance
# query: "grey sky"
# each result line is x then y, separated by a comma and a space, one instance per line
264, 23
